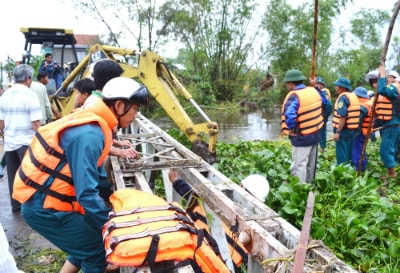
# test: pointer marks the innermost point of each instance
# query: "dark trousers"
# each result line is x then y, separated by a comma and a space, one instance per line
14, 159
357, 149
3, 161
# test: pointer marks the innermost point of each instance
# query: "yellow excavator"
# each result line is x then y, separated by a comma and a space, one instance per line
151, 70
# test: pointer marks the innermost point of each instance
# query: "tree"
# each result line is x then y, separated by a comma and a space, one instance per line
356, 50
396, 53
124, 19
218, 35
291, 34
361, 51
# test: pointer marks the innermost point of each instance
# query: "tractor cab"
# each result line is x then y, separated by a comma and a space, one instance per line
59, 42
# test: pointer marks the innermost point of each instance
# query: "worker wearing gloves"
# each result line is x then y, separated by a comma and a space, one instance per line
61, 182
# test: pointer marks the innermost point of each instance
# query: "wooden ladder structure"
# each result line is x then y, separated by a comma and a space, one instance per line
273, 238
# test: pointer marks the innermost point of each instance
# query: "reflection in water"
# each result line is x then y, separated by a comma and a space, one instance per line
258, 125
263, 124
234, 126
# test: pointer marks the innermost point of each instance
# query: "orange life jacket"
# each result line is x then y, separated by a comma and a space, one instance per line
367, 103
237, 251
384, 108
309, 115
353, 111
144, 229
328, 92
45, 155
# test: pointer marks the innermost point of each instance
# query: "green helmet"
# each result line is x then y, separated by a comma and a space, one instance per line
294, 75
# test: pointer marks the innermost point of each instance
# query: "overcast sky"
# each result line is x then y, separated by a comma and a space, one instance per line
52, 13
37, 13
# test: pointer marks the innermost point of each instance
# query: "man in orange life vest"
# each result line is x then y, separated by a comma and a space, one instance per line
302, 120
388, 118
346, 116
62, 182
365, 117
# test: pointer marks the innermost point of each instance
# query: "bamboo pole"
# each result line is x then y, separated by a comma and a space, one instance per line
301, 251
383, 59
314, 48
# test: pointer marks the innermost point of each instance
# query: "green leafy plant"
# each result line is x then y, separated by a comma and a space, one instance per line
355, 216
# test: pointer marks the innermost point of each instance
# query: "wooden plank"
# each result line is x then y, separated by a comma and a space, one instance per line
301, 250
159, 165
218, 233
142, 183
119, 182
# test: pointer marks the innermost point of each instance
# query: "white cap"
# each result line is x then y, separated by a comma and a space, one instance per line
394, 74
372, 75
371, 93
257, 185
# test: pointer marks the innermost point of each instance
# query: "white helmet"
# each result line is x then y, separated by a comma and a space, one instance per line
257, 185
394, 74
371, 93
372, 75
122, 88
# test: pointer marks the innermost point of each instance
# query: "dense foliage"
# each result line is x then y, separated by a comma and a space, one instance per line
229, 44
356, 217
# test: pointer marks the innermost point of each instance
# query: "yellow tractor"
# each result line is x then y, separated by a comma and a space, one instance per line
151, 70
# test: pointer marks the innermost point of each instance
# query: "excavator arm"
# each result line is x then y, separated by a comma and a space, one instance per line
162, 85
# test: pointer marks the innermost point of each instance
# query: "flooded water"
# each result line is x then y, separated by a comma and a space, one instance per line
263, 124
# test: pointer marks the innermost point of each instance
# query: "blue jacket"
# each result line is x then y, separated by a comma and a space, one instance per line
50, 69
86, 144
291, 108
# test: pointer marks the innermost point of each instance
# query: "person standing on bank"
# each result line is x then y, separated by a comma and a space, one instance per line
388, 118
346, 117
302, 120
39, 88
365, 117
20, 116
61, 180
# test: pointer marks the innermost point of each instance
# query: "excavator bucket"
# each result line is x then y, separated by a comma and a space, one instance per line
200, 148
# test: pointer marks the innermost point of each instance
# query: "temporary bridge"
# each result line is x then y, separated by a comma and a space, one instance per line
273, 240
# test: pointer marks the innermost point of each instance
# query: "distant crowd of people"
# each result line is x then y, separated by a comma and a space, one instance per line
306, 109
